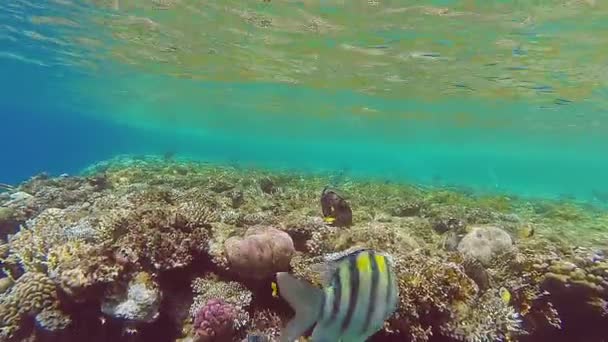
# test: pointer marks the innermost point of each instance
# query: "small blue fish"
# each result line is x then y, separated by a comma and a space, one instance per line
359, 293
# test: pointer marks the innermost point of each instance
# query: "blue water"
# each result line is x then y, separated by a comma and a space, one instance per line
52, 121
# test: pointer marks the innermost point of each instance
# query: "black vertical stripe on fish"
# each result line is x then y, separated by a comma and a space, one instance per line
354, 291
322, 307
373, 291
389, 285
337, 297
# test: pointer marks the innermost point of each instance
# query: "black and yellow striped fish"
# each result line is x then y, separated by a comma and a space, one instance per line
359, 294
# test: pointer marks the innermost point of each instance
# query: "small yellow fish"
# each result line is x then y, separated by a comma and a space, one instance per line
505, 295
329, 219
275, 289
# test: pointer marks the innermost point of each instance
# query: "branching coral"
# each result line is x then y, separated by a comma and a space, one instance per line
429, 290
267, 324
53, 227
484, 319
163, 237
521, 272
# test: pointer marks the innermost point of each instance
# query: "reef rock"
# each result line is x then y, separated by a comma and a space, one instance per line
260, 253
485, 242
139, 302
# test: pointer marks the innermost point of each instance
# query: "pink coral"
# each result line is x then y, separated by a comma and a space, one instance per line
214, 321
262, 252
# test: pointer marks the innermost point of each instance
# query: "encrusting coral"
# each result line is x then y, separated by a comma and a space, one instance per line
134, 234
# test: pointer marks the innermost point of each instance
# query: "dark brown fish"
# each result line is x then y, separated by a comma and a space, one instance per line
336, 208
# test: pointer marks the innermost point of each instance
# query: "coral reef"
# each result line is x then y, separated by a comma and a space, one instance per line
153, 244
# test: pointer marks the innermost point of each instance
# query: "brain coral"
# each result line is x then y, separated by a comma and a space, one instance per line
260, 253
33, 294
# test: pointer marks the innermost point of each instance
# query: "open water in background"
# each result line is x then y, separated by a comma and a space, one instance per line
493, 95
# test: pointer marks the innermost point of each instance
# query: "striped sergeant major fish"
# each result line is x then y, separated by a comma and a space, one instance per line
359, 293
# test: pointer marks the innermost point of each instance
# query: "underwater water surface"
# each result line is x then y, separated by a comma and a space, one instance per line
487, 95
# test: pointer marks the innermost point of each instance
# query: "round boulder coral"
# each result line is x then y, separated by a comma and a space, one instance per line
485, 242
214, 321
260, 253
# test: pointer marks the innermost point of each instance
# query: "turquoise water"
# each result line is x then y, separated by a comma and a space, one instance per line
495, 96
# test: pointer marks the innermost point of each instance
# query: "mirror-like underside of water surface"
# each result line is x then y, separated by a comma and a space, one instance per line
208, 145
494, 95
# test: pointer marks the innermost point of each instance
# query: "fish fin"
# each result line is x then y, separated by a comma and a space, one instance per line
335, 257
322, 334
304, 299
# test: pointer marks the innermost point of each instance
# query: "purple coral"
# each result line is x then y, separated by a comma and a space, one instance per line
214, 321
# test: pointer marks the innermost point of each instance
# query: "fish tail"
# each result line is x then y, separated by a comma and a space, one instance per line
305, 300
